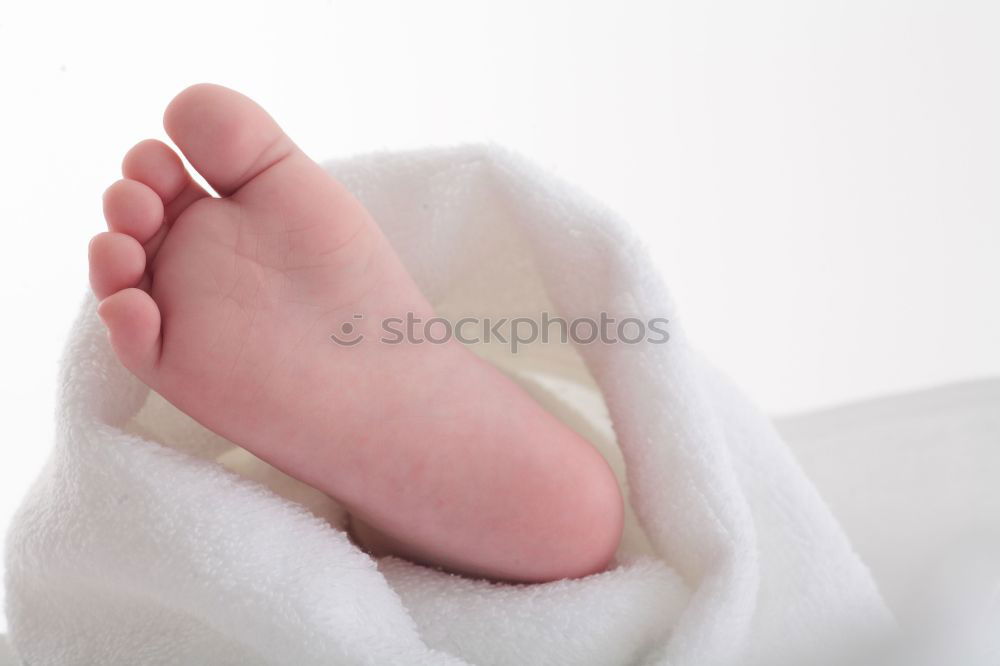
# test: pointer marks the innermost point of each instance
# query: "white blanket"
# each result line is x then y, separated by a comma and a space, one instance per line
149, 540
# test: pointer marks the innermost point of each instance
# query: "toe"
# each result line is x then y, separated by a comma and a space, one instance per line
133, 323
117, 261
226, 136
157, 166
132, 208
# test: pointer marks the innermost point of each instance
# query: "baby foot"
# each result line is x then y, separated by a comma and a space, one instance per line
225, 306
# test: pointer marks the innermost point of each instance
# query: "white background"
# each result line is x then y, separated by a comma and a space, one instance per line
819, 179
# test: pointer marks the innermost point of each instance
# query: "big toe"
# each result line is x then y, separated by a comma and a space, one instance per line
226, 136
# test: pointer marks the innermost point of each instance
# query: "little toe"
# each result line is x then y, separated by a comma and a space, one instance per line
133, 322
117, 261
156, 165
132, 208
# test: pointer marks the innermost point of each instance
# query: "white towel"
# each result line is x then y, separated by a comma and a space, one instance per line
148, 540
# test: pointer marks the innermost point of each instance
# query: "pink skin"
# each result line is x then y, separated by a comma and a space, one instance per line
225, 306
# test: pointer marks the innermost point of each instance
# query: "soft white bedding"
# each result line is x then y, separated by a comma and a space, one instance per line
912, 478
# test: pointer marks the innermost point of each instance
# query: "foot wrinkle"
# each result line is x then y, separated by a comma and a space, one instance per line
287, 151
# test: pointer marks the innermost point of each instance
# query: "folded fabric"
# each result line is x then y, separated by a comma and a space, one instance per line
912, 478
149, 540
